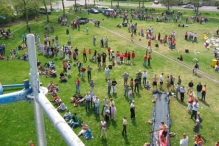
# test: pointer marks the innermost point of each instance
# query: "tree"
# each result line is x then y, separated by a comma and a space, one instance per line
63, 6
111, 3
47, 15
85, 4
25, 2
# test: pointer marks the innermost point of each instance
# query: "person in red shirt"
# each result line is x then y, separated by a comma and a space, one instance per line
70, 54
133, 57
149, 44
109, 52
121, 57
128, 56
77, 84
145, 60
125, 56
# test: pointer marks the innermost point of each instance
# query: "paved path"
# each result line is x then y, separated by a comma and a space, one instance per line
71, 3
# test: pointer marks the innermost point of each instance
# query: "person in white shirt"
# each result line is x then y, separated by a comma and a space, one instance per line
113, 113
105, 102
182, 93
87, 99
125, 122
145, 76
195, 106
184, 141
103, 128
132, 109
97, 105
107, 72
161, 80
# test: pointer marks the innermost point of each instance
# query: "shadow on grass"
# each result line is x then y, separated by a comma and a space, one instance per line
126, 139
137, 95
134, 122
104, 142
114, 124
114, 95
182, 103
97, 117
204, 102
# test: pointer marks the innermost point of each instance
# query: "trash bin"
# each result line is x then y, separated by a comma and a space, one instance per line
214, 61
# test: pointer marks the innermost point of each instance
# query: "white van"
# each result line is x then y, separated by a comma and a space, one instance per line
101, 8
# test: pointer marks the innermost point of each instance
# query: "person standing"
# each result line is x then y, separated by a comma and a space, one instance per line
79, 64
107, 72
154, 80
199, 117
184, 141
133, 57
199, 90
94, 40
137, 84
113, 112
125, 77
132, 109
114, 85
204, 89
149, 44
145, 75
130, 94
179, 80
125, 122
83, 70
89, 69
92, 84
105, 102
31, 143
97, 105
77, 83
126, 88
103, 128
161, 81
182, 93
195, 106
177, 90
145, 60
109, 83
139, 74
69, 69
190, 86
84, 54
88, 100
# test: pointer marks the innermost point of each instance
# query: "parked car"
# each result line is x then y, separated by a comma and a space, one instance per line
79, 5
83, 20
156, 1
43, 10
189, 6
94, 11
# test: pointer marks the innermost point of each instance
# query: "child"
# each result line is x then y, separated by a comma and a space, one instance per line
147, 86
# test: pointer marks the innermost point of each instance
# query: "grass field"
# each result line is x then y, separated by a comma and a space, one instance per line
17, 119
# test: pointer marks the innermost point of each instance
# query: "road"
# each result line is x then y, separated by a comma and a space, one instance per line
71, 3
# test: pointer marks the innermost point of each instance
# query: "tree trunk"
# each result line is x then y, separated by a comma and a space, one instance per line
111, 3
51, 5
47, 15
168, 5
139, 4
85, 4
75, 4
63, 6
26, 14
94, 2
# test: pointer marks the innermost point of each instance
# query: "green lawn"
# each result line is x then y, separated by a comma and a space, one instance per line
17, 119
